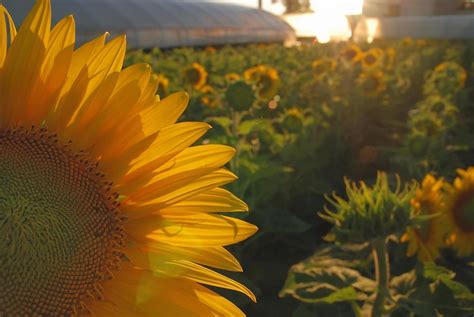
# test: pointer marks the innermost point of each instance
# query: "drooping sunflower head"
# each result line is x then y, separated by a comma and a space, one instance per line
266, 79
351, 53
372, 57
105, 208
460, 211
372, 83
322, 67
428, 236
162, 85
195, 75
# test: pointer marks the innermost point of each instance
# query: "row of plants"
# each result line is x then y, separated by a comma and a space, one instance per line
307, 119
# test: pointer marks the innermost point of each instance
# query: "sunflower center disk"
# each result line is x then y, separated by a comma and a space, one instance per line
58, 226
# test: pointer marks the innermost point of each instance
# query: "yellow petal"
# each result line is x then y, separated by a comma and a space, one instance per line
200, 230
94, 103
169, 143
198, 160
220, 305
82, 57
54, 70
214, 200
107, 61
22, 66
61, 42
168, 192
165, 113
116, 166
143, 292
153, 254
200, 274
5, 33
59, 119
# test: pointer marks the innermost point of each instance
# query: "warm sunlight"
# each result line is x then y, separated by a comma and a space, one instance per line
328, 22
342, 7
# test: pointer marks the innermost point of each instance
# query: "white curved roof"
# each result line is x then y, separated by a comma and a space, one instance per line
165, 23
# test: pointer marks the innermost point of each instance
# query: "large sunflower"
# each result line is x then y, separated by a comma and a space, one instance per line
426, 238
105, 208
460, 211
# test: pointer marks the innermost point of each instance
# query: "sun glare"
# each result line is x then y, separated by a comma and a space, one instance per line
342, 7
328, 22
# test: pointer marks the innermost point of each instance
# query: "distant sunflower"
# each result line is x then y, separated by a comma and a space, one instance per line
210, 49
372, 57
209, 97
451, 71
407, 41
195, 75
105, 209
426, 239
266, 78
460, 211
292, 120
162, 85
232, 77
351, 53
321, 67
390, 57
372, 83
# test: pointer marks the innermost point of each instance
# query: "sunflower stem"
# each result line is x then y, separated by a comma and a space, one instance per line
382, 273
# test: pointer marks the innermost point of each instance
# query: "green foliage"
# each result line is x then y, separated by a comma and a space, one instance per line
299, 133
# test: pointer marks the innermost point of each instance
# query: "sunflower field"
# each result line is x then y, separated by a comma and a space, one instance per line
357, 163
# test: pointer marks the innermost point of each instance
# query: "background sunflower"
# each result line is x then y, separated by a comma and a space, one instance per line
460, 211
426, 238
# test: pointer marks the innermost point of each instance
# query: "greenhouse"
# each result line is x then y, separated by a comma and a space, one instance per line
167, 23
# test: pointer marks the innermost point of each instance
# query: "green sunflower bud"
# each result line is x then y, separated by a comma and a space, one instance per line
370, 213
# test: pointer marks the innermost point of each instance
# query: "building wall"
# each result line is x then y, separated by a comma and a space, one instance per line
381, 8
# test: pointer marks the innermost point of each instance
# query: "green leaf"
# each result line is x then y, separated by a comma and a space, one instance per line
435, 272
224, 122
325, 278
404, 283
249, 126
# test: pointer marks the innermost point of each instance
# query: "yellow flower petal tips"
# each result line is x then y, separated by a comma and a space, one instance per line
105, 207
460, 211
